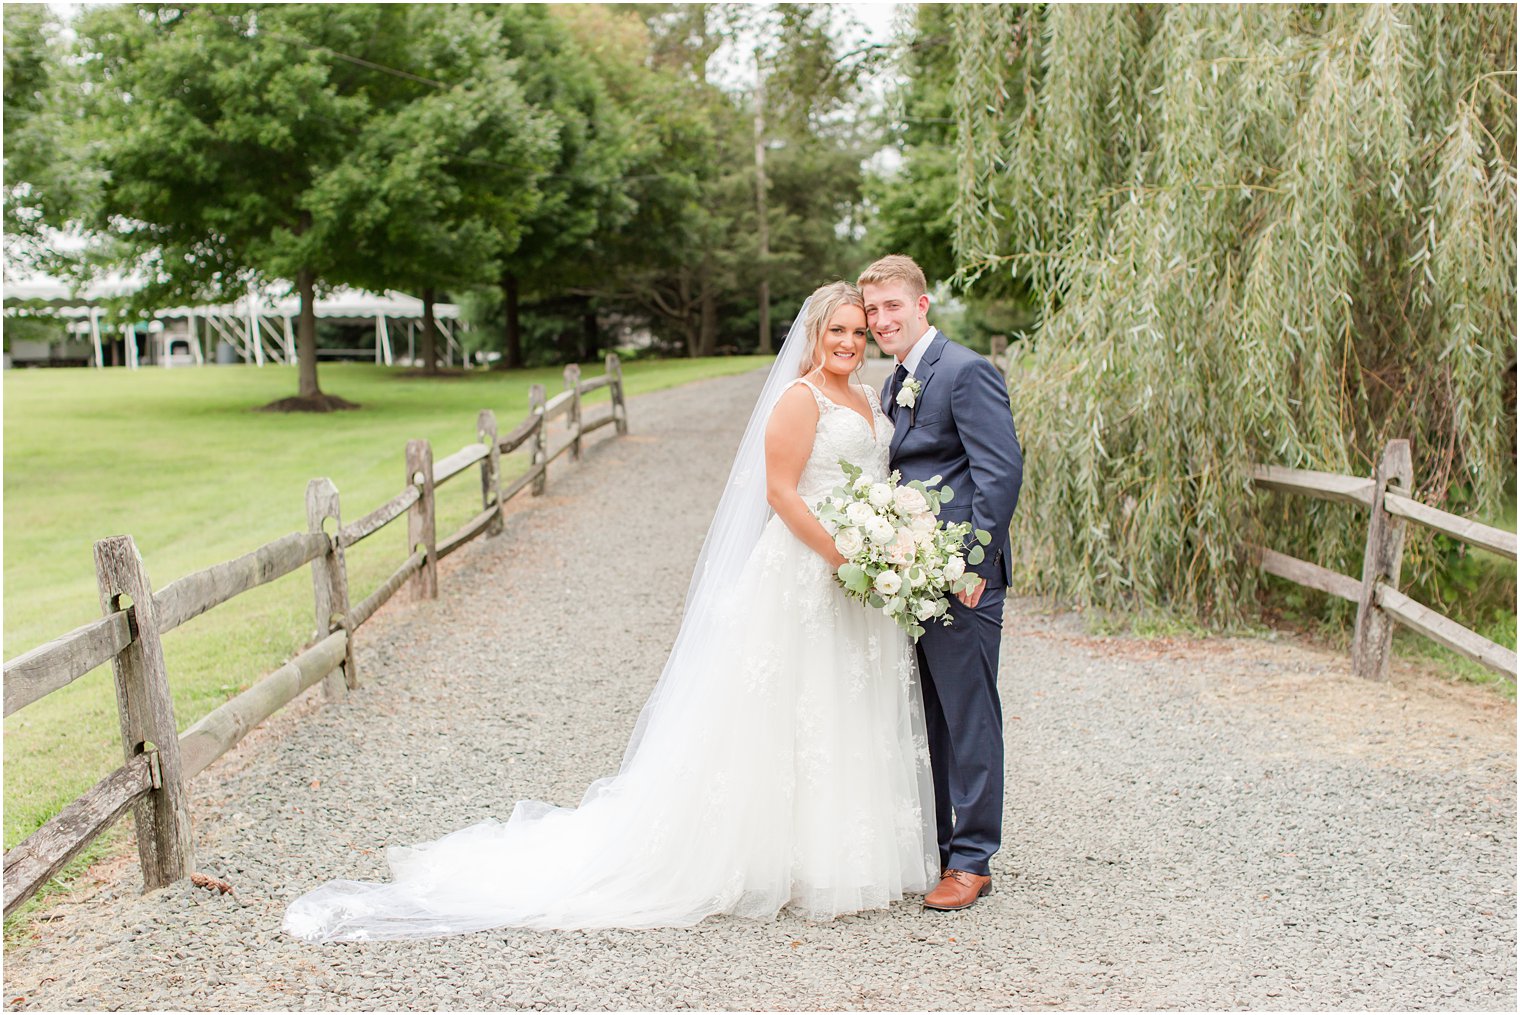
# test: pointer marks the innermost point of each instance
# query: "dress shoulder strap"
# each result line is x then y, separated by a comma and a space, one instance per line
824, 405
871, 397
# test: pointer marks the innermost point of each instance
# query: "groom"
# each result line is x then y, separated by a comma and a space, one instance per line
951, 418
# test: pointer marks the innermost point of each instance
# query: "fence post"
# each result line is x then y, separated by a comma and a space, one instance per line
573, 420
619, 407
329, 584
490, 468
1373, 642
165, 845
421, 529
537, 399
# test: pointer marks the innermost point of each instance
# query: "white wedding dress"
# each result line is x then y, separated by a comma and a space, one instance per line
781, 762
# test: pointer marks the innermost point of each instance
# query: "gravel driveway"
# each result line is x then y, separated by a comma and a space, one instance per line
1193, 824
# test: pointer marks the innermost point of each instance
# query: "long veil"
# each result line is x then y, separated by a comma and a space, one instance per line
736, 526
612, 849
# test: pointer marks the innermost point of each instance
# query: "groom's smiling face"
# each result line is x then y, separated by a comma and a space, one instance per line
896, 317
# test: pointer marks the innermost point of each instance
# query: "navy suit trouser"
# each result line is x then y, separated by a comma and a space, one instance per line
958, 667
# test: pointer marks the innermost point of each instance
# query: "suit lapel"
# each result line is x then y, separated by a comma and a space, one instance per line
905, 417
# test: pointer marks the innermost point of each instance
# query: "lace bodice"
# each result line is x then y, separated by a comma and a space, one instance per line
844, 433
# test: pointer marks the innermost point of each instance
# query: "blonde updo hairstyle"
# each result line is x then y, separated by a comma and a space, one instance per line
821, 307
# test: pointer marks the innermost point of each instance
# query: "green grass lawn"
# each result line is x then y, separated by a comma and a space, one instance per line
178, 460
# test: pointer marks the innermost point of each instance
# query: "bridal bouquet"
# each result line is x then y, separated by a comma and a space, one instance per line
898, 556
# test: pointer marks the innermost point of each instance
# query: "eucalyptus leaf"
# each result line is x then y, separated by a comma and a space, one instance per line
854, 577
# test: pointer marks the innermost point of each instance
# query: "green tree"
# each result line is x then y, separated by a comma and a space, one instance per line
546, 253
1279, 233
667, 264
808, 69
700, 291
28, 80
673, 242
436, 186
672, 149
221, 130
913, 203
47, 175
591, 69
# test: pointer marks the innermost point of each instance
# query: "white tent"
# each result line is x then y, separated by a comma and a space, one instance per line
259, 326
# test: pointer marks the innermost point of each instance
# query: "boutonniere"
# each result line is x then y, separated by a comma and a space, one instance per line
907, 396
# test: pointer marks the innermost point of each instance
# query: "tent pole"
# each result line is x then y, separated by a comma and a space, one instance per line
195, 339
100, 360
253, 332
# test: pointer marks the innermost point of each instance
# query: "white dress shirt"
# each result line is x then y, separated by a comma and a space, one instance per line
916, 354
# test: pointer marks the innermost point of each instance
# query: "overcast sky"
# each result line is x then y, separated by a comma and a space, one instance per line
734, 66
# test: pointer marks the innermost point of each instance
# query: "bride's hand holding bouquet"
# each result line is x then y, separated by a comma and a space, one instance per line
899, 557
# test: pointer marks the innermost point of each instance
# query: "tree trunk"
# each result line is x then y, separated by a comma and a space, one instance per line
591, 336
429, 333
308, 397
511, 355
708, 336
762, 223
306, 334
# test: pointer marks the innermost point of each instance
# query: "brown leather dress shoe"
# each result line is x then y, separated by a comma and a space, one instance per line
958, 890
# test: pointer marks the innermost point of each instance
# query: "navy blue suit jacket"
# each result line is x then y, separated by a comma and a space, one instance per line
961, 429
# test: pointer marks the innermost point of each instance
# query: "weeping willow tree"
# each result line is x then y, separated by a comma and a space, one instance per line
1258, 234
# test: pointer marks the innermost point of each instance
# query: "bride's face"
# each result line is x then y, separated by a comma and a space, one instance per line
843, 346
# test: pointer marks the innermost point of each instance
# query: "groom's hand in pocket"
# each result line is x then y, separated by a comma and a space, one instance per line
973, 595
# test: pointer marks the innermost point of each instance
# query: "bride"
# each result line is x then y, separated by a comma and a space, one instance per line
781, 760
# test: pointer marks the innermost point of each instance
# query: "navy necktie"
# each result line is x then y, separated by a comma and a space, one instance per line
898, 376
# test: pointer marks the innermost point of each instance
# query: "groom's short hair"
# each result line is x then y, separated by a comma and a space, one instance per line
895, 268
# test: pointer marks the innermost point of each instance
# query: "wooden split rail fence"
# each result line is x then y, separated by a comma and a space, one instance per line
1379, 603
160, 762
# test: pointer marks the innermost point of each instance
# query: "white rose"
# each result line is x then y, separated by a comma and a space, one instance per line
910, 501
902, 548
859, 513
923, 609
849, 542
954, 568
888, 582
880, 495
907, 396
862, 483
880, 531
922, 522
